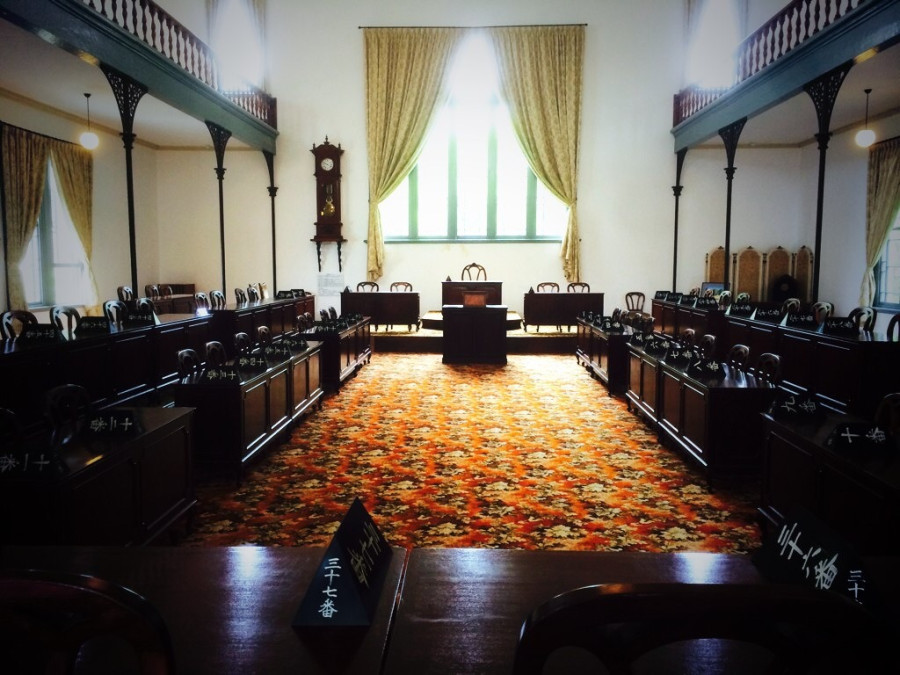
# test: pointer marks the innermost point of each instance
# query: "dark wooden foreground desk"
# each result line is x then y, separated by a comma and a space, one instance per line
397, 308
558, 309
452, 291
229, 609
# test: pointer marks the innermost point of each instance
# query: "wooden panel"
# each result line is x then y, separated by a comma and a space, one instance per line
715, 265
696, 419
166, 478
255, 415
789, 477
777, 264
748, 273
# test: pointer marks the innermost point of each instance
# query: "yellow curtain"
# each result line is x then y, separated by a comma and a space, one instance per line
24, 156
882, 206
540, 79
406, 71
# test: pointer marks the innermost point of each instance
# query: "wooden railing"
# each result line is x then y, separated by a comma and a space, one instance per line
161, 32
797, 22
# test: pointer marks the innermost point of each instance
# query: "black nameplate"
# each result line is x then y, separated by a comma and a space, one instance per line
859, 437
349, 580
840, 325
707, 303
673, 297
276, 353
798, 320
687, 300
706, 369
140, 320
253, 363
797, 407
660, 295
743, 309
113, 422
30, 462
40, 333
295, 344
92, 325
805, 551
298, 292
221, 375
610, 326
284, 295
773, 315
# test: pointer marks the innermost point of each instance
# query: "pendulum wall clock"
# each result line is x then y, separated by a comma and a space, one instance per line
328, 197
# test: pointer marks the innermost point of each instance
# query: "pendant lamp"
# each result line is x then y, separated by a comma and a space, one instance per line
89, 139
865, 136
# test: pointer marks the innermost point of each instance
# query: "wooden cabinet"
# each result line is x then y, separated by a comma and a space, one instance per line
113, 492
643, 378
344, 351
604, 355
559, 309
474, 334
856, 495
399, 308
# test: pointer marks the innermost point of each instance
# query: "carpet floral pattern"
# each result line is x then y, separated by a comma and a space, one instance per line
530, 455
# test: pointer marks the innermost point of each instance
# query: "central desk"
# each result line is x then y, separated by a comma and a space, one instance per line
452, 291
474, 334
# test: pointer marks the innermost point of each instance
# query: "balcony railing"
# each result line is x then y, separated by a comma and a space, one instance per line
792, 26
158, 30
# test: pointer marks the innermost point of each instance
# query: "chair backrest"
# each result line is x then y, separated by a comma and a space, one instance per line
864, 317
707, 345
151, 291
724, 299
243, 345
240, 297
217, 299
48, 615
548, 287
742, 297
688, 337
404, 286
263, 336
778, 627
263, 288
822, 310
115, 311
323, 314
332, 313
887, 414
634, 300
66, 407
125, 293
13, 322
893, 328
189, 364
790, 306
165, 290
253, 293
367, 286
578, 287
737, 357
201, 299
476, 269
216, 357
768, 369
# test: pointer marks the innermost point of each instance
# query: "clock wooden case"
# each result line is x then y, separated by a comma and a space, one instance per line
328, 197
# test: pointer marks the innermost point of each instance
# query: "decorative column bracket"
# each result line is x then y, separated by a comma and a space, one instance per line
823, 91
676, 190
128, 94
319, 252
730, 136
220, 138
273, 190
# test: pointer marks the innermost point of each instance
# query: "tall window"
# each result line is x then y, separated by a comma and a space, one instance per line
472, 181
55, 269
887, 271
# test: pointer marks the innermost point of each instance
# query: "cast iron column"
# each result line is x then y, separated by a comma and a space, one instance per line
220, 138
273, 190
730, 136
676, 190
823, 91
128, 93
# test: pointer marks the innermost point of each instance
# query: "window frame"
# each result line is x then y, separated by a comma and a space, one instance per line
881, 273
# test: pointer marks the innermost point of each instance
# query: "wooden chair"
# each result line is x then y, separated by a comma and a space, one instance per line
66, 408
893, 329
263, 288
243, 345
263, 336
215, 354
47, 616
790, 306
240, 297
578, 287
634, 300
688, 337
548, 287
145, 306
403, 286
217, 299
822, 310
476, 269
864, 317
115, 311
742, 298
13, 322
724, 299
707, 346
737, 358
151, 291
252, 293
165, 291
367, 287
332, 313
125, 293
715, 628
190, 366
201, 299
767, 369
887, 414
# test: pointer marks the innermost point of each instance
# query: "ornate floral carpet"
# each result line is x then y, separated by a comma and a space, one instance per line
531, 455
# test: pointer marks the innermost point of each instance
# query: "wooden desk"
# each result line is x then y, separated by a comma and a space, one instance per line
474, 334
114, 492
461, 609
452, 291
344, 351
604, 355
229, 610
279, 315
559, 309
383, 309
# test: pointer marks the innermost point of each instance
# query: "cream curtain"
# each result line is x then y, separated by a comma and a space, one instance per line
24, 155
540, 79
406, 72
882, 207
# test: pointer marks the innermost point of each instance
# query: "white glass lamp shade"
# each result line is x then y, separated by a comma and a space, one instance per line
89, 140
865, 138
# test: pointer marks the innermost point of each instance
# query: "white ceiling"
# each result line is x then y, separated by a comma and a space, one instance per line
24, 55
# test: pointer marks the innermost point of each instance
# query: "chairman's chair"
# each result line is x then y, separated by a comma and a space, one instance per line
51, 620
476, 269
402, 287
700, 628
547, 287
634, 300
367, 287
578, 287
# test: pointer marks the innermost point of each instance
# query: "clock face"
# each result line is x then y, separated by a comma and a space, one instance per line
327, 164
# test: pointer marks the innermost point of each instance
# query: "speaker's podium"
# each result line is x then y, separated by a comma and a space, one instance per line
474, 332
